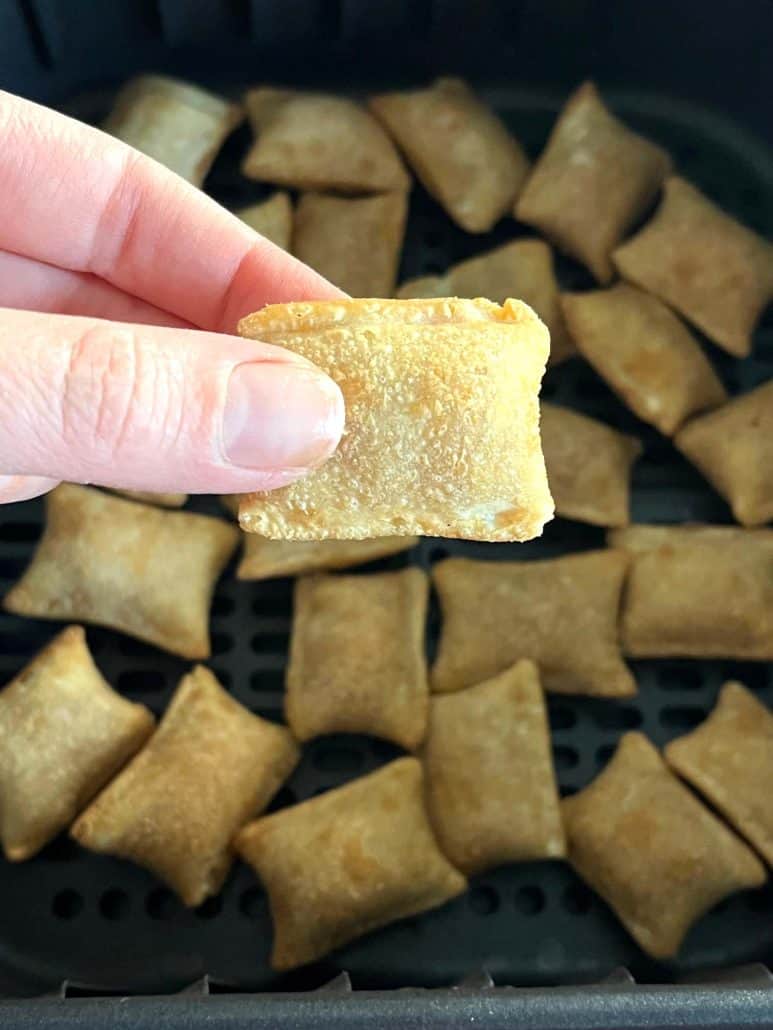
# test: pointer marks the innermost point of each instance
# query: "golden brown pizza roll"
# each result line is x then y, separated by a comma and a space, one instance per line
523, 269
63, 734
733, 448
357, 657
267, 559
657, 856
312, 141
589, 466
343, 864
645, 353
442, 433
594, 178
491, 789
561, 613
355, 243
729, 759
272, 218
135, 568
461, 151
713, 270
148, 497
697, 592
175, 809
180, 125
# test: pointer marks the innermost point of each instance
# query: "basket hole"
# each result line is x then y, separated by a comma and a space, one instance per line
530, 901
269, 643
437, 554
604, 753
384, 750
114, 904
680, 677
161, 904
754, 675
270, 605
566, 790
210, 908
577, 899
565, 757
223, 606
760, 900
617, 717
221, 643
11, 568
67, 904
19, 532
252, 903
268, 679
282, 799
337, 758
224, 676
561, 717
141, 679
681, 717
484, 901
61, 849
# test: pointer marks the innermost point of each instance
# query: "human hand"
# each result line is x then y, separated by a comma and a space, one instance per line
145, 400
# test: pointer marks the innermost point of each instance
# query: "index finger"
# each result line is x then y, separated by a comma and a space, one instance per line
74, 197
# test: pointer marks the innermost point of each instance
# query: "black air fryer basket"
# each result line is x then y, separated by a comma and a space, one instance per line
91, 941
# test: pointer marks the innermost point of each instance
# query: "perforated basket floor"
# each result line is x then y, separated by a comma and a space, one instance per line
105, 925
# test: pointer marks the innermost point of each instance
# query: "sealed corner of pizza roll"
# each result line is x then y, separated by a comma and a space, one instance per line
442, 421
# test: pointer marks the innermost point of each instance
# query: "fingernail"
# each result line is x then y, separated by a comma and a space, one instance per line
281, 416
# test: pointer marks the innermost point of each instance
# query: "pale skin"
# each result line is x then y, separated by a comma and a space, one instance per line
120, 287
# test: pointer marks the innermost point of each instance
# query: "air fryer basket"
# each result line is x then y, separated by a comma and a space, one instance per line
75, 924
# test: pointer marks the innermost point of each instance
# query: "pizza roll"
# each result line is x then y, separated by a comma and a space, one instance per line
357, 657
697, 592
132, 567
210, 767
272, 218
646, 844
729, 759
343, 864
461, 151
713, 270
561, 613
645, 353
355, 243
63, 734
491, 789
148, 497
442, 433
267, 559
594, 178
180, 125
733, 448
589, 466
523, 269
312, 141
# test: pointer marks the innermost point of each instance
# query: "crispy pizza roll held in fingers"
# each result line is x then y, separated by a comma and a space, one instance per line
461, 151
733, 448
594, 178
491, 789
589, 466
357, 657
697, 592
645, 353
272, 218
312, 141
148, 497
343, 864
442, 434
63, 734
355, 243
652, 850
729, 759
210, 767
561, 612
523, 269
180, 125
705, 264
132, 567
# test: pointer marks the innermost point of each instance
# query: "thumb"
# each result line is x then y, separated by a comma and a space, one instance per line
151, 408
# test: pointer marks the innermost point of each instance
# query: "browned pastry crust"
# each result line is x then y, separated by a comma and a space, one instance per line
357, 657
272, 218
713, 270
697, 592
175, 809
63, 734
594, 178
135, 568
442, 431
645, 353
267, 559
562, 613
312, 141
343, 864
460, 150
149, 497
655, 854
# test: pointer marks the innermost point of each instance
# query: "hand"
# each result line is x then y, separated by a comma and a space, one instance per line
91, 230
